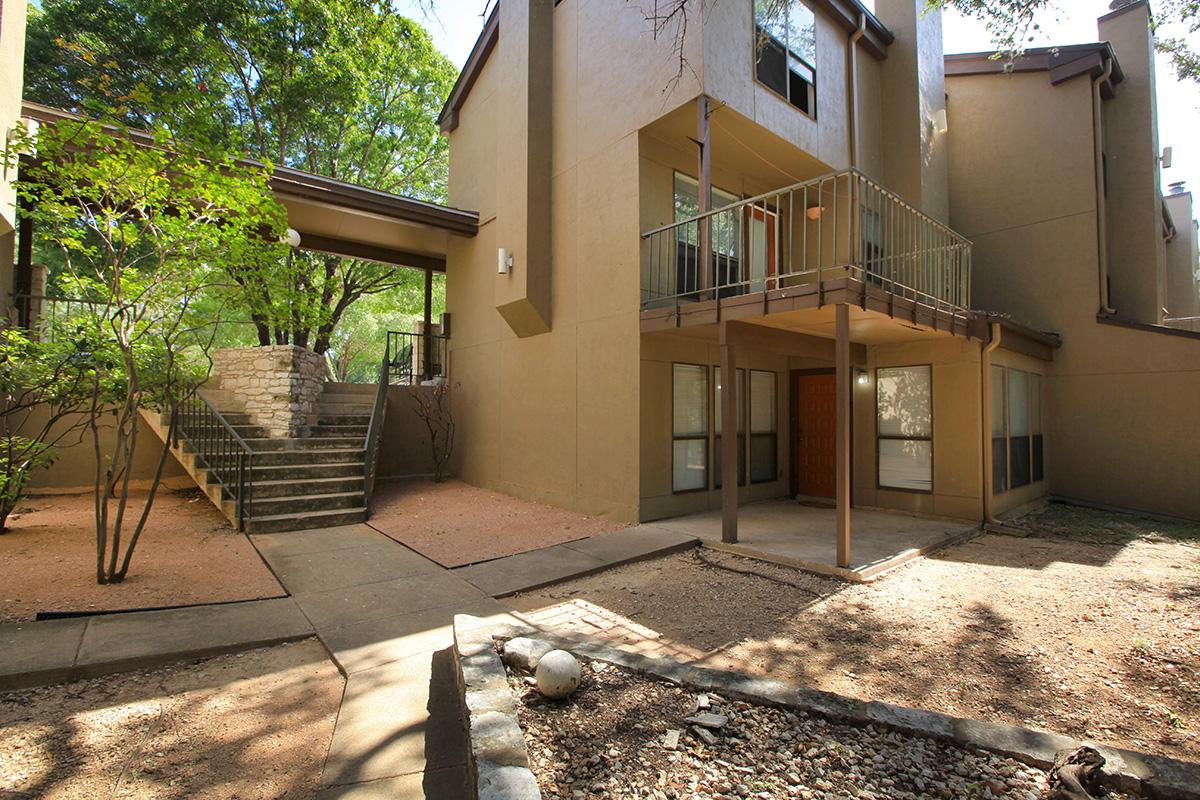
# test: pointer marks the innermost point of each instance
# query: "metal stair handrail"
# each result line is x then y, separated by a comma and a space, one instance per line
375, 427
224, 453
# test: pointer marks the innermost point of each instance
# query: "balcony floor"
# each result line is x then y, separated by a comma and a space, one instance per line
787, 532
777, 306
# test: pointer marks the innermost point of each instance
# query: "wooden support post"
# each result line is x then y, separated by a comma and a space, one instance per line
704, 191
427, 333
842, 347
729, 439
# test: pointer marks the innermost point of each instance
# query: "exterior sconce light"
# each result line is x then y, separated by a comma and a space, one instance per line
863, 378
291, 238
504, 262
814, 213
939, 122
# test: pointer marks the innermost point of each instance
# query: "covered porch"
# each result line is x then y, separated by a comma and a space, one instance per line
798, 534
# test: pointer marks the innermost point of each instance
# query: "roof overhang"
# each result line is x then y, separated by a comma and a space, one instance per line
346, 219
1063, 63
846, 13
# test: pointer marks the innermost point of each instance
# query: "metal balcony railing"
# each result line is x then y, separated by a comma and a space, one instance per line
843, 224
416, 357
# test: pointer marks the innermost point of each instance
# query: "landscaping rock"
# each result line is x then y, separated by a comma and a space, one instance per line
523, 653
557, 674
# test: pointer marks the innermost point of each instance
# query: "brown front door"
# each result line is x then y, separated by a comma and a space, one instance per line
815, 430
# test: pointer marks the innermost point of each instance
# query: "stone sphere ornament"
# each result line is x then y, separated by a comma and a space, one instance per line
557, 674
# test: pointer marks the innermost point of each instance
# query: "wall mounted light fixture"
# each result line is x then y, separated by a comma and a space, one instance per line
814, 213
504, 262
940, 123
863, 378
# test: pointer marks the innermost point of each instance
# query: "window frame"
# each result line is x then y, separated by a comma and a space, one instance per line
1034, 399
756, 32
773, 433
879, 485
707, 435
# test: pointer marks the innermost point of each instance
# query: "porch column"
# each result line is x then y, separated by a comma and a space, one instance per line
427, 332
842, 347
704, 189
729, 439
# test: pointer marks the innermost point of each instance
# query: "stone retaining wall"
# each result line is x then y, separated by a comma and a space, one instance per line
277, 386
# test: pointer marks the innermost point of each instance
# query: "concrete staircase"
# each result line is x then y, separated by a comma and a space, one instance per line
302, 482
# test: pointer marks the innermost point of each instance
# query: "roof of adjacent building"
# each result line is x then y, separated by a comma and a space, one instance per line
1062, 62
847, 13
291, 182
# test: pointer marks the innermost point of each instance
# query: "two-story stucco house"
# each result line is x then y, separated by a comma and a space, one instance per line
813, 209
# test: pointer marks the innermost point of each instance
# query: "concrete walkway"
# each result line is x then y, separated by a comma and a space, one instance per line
385, 613
56, 651
536, 568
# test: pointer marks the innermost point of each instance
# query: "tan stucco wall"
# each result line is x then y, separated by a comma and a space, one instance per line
404, 450
12, 65
1121, 422
554, 417
75, 467
1181, 293
659, 352
957, 443
1135, 242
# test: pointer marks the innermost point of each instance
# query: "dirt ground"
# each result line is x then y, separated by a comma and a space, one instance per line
249, 726
1090, 628
188, 554
456, 524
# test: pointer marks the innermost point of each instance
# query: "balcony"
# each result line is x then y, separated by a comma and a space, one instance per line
797, 247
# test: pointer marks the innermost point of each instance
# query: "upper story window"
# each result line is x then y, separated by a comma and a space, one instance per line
785, 51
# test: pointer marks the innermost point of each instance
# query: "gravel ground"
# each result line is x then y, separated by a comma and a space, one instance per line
252, 726
609, 740
188, 554
1091, 628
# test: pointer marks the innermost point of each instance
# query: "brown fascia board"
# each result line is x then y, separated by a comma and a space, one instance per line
1020, 338
845, 13
484, 45
288, 182
1063, 63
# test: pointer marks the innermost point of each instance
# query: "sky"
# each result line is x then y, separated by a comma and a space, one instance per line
458, 22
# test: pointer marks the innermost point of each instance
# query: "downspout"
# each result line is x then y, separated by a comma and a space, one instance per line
1101, 201
986, 381
852, 71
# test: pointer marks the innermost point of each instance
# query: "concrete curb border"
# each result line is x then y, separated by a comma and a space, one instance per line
482, 674
60, 651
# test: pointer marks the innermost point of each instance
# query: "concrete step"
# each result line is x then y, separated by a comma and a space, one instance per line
308, 472
303, 503
280, 458
264, 489
305, 445
298, 522
363, 408
344, 419
356, 431
331, 390
247, 431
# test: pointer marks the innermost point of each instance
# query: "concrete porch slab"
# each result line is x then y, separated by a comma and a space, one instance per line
803, 536
537, 568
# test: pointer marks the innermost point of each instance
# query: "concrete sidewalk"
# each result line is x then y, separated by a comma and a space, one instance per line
536, 568
385, 613
56, 651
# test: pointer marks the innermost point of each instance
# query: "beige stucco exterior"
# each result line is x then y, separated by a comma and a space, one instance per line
1121, 425
1181, 299
12, 63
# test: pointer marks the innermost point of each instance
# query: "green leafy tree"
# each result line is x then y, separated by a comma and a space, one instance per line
43, 387
343, 88
148, 234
